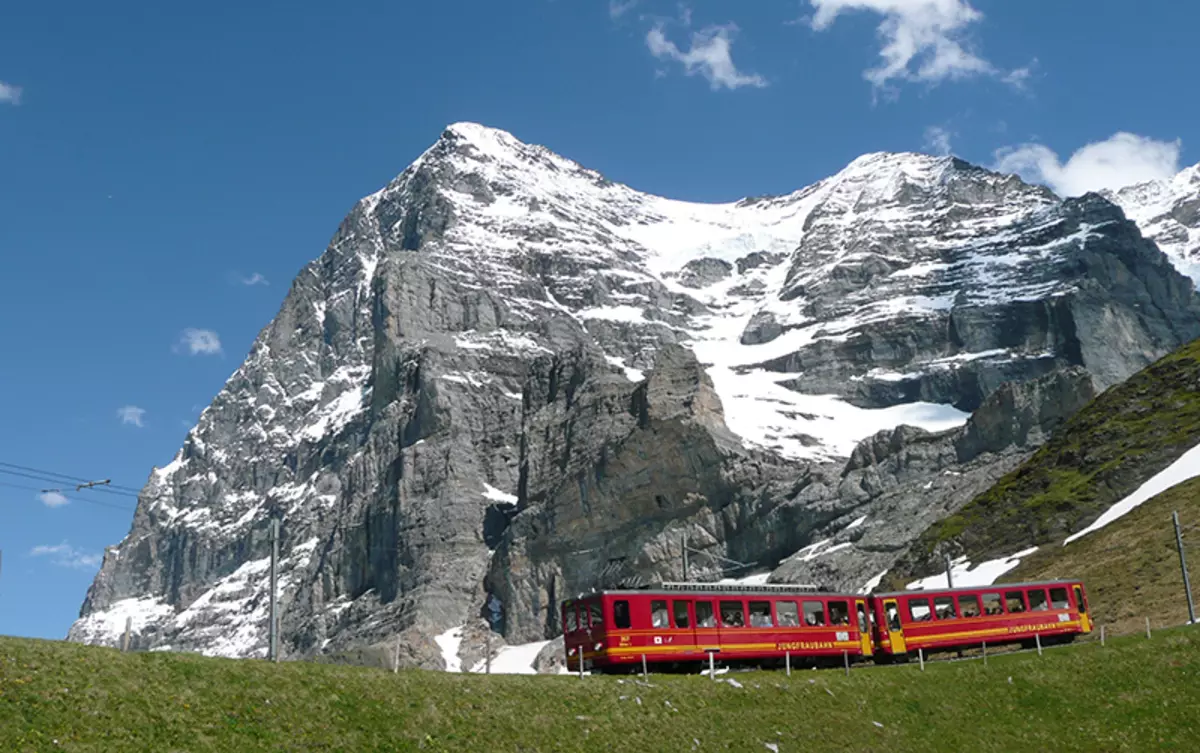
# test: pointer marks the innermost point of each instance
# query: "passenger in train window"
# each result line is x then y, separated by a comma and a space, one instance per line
787, 614
968, 606
658, 614
839, 613
992, 605
760, 614
814, 613
1015, 601
704, 615
944, 606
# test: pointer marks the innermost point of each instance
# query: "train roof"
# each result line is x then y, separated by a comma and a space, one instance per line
781, 589
992, 587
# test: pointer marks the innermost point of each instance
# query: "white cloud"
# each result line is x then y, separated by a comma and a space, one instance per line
53, 499
618, 8
131, 415
199, 342
923, 40
10, 93
937, 140
254, 279
709, 55
65, 555
1120, 160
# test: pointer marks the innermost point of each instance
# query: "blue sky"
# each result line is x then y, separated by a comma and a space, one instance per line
166, 170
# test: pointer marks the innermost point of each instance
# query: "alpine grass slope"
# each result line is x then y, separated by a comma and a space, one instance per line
509, 379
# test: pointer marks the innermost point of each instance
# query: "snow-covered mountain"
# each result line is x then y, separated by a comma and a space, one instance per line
509, 379
1168, 212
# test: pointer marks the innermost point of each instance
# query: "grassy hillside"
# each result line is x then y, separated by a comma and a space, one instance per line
1134, 695
1102, 453
1131, 566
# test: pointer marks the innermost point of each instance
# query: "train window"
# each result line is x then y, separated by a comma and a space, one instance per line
760, 614
1058, 598
1014, 601
572, 622
658, 614
621, 614
918, 610
992, 604
968, 606
704, 615
814, 613
681, 613
595, 614
893, 617
787, 614
1037, 600
944, 606
839, 613
733, 614
862, 618
1080, 604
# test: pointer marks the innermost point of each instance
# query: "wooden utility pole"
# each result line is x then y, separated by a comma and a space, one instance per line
949, 573
273, 628
685, 558
1187, 584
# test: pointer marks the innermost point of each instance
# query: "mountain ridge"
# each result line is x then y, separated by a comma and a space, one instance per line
502, 355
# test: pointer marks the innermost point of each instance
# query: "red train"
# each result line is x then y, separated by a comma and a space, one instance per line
679, 624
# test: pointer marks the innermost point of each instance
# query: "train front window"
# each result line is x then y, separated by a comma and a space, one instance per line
760, 614
992, 605
918, 610
968, 606
787, 614
704, 615
944, 606
733, 614
658, 614
839, 613
814, 613
1058, 598
681, 613
1079, 602
621, 614
596, 615
572, 622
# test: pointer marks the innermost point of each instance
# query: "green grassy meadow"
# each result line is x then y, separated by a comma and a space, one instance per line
1132, 695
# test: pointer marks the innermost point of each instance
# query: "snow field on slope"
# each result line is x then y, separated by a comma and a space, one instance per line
514, 660
983, 574
449, 642
1185, 468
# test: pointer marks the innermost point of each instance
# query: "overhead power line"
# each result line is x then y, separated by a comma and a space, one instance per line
23, 470
88, 500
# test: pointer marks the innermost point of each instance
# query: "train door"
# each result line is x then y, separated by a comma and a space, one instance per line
864, 628
707, 633
895, 631
1085, 622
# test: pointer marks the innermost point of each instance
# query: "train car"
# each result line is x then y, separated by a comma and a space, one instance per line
677, 625
959, 618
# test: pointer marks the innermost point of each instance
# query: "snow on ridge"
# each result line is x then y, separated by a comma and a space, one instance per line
105, 627
1185, 468
494, 494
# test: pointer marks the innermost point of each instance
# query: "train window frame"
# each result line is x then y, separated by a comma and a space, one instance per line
705, 605
944, 601
993, 598
726, 607
622, 619
660, 616
1080, 604
764, 611
572, 619
891, 614
1064, 601
787, 613
923, 602
675, 614
1019, 597
816, 610
972, 599
1037, 600
838, 619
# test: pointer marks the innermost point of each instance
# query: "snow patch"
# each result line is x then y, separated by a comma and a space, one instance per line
494, 494
106, 626
449, 642
514, 660
1185, 468
983, 574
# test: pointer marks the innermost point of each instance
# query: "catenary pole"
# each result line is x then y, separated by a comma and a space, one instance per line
273, 628
1187, 584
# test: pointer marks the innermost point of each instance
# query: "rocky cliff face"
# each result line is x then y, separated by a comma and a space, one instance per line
508, 380
1168, 212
